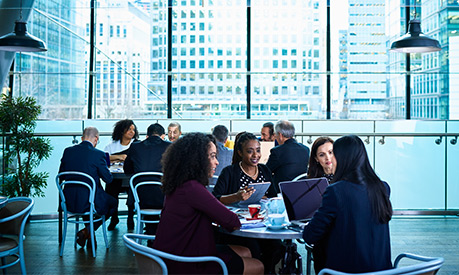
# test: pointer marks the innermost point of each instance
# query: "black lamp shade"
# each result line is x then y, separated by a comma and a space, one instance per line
415, 41
21, 41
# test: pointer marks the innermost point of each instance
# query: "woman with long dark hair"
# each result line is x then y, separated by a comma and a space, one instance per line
321, 161
353, 220
185, 227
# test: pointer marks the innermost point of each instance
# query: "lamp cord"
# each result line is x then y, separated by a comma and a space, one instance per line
20, 13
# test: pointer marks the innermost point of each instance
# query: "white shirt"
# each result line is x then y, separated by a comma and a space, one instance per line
115, 147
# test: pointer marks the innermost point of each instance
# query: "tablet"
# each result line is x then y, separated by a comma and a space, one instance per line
260, 191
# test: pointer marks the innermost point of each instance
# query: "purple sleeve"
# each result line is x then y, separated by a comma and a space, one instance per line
204, 201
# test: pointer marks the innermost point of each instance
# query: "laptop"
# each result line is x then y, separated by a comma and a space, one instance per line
302, 198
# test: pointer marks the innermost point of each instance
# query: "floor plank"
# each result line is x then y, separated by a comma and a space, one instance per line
428, 236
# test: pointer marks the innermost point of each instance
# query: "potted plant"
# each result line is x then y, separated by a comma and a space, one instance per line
22, 151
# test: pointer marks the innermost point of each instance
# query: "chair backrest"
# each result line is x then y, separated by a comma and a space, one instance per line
428, 265
138, 178
76, 178
305, 175
14, 214
150, 260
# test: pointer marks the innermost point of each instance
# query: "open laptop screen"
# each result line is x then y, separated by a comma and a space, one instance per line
302, 198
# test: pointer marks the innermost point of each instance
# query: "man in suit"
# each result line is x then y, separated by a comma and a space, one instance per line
146, 156
290, 158
224, 154
84, 157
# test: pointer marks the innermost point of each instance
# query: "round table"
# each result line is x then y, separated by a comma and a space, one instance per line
3, 201
266, 233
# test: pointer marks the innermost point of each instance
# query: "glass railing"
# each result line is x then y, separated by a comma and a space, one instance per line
417, 158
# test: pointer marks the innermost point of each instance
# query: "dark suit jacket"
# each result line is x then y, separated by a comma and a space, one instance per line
354, 240
287, 161
145, 156
85, 158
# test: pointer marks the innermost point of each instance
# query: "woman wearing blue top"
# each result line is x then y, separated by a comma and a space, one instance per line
352, 224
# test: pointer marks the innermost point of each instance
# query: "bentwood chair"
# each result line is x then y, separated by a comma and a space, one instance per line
13, 218
67, 180
150, 260
305, 175
428, 266
136, 182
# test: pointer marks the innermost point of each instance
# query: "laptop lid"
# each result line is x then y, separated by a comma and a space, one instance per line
302, 198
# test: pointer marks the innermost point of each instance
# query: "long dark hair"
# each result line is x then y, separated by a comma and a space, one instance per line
353, 165
121, 127
241, 139
186, 159
316, 170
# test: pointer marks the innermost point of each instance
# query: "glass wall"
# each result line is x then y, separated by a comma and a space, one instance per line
222, 53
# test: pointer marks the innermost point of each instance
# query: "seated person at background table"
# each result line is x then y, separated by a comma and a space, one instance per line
353, 220
146, 156
290, 158
267, 133
224, 154
233, 183
186, 226
322, 163
84, 157
232, 187
174, 130
124, 133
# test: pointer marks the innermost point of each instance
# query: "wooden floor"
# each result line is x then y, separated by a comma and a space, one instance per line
429, 236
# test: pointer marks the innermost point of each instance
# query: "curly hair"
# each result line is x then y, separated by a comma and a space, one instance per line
315, 169
121, 127
186, 159
239, 143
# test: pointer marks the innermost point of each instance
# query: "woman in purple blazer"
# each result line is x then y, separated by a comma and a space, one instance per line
189, 210
352, 224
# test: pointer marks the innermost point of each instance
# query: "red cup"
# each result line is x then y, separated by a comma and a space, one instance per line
254, 210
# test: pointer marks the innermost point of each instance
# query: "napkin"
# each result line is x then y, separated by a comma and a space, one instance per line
252, 225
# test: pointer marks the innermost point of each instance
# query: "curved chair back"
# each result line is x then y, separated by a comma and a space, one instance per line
150, 260
62, 182
13, 218
305, 175
428, 265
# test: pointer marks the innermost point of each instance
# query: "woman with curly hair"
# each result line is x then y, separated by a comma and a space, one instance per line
322, 162
124, 133
189, 209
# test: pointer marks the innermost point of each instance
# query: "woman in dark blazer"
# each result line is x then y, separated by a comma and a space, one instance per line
353, 220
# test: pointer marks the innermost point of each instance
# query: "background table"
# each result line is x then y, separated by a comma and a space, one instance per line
3, 201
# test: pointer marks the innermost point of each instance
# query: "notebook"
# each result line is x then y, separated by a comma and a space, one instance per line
302, 198
260, 190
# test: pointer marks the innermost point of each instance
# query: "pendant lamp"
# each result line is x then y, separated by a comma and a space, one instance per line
20, 40
415, 41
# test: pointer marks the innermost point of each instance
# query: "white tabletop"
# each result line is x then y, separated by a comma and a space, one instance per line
266, 233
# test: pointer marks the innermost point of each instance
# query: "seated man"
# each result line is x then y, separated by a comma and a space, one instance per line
290, 158
224, 154
84, 157
146, 156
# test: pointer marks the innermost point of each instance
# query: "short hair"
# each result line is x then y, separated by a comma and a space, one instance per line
270, 125
155, 129
90, 132
121, 127
241, 139
220, 133
177, 167
285, 128
175, 124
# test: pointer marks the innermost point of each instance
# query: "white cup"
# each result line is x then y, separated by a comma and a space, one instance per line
276, 219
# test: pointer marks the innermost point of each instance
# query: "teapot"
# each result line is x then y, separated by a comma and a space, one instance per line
275, 205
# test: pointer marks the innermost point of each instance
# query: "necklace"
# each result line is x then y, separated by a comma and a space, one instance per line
256, 170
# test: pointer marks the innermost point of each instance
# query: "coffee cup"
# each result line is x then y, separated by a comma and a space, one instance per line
254, 210
276, 219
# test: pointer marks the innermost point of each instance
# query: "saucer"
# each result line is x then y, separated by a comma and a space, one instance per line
275, 227
260, 217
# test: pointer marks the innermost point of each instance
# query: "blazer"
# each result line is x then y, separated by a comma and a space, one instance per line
85, 158
145, 156
287, 161
354, 240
